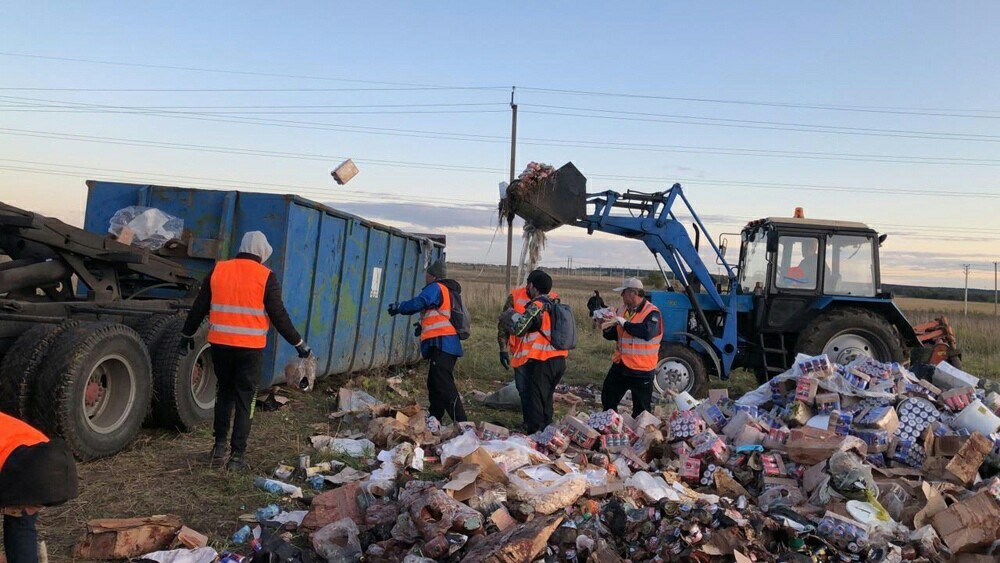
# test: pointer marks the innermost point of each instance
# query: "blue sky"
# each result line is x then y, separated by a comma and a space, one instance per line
892, 64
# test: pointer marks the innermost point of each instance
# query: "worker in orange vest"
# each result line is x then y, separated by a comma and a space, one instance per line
34, 472
439, 341
637, 331
513, 354
544, 364
241, 298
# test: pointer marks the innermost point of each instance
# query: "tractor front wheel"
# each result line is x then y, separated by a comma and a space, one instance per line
845, 334
680, 369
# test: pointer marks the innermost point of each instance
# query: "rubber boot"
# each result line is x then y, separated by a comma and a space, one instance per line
216, 456
236, 463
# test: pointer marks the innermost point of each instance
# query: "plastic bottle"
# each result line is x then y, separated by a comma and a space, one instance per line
272, 486
317, 482
268, 512
242, 535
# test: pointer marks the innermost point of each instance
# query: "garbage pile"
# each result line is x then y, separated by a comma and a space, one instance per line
864, 462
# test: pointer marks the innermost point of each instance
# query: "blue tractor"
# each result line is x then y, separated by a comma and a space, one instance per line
799, 285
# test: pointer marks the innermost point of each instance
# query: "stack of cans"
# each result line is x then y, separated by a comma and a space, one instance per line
909, 452
686, 424
709, 445
615, 442
778, 435
877, 440
915, 415
712, 415
857, 379
751, 410
958, 399
875, 369
708, 477
553, 440
844, 533
840, 422
773, 467
607, 422
433, 425
819, 367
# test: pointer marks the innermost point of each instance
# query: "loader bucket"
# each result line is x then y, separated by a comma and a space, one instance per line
561, 200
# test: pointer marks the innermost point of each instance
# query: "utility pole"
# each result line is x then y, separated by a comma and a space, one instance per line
966, 267
513, 157
995, 300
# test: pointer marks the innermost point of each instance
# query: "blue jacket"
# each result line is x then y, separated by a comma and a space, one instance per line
430, 298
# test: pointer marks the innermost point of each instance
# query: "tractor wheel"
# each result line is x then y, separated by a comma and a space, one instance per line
680, 369
185, 384
21, 364
845, 334
94, 389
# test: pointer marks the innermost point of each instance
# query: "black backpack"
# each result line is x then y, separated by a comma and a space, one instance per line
563, 323
460, 315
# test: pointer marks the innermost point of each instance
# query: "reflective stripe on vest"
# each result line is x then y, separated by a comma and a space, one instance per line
539, 344
436, 322
237, 316
15, 433
518, 349
637, 353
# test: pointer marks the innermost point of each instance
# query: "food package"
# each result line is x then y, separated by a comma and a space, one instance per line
547, 496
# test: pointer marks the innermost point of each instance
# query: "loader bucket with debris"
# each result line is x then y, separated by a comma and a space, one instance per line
547, 198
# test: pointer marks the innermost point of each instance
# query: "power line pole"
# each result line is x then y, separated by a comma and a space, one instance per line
513, 157
995, 300
966, 267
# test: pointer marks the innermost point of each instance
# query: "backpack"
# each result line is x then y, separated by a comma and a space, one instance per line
460, 316
563, 324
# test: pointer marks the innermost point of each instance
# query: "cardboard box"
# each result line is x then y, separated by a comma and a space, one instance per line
798, 414
810, 446
947, 376
805, 389
111, 538
494, 432
880, 418
965, 465
749, 436
343, 173
827, 402
969, 524
579, 432
736, 425
715, 394
948, 445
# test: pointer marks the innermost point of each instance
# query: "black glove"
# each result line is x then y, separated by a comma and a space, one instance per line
393, 309
187, 344
505, 359
304, 350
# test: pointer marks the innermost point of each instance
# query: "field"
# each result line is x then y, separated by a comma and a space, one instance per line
160, 474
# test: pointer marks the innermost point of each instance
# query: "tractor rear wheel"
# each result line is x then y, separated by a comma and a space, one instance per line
845, 334
680, 369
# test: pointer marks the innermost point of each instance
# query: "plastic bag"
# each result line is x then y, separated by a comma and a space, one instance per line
653, 488
151, 227
338, 541
300, 373
353, 448
851, 477
549, 496
506, 397
459, 447
513, 453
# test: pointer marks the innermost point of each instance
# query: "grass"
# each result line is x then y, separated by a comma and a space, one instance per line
159, 473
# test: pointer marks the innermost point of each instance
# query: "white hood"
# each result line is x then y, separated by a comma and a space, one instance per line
254, 242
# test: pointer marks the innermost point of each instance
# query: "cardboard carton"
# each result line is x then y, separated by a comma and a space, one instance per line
969, 524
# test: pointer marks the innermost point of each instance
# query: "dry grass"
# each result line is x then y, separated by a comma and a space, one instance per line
159, 473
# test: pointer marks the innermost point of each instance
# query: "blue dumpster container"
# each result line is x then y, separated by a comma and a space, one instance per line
338, 271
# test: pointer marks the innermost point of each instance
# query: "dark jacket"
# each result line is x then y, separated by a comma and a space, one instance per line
273, 304
430, 297
594, 303
649, 327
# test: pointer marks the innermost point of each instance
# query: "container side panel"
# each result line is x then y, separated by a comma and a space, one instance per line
411, 282
387, 343
371, 297
349, 298
322, 318
300, 245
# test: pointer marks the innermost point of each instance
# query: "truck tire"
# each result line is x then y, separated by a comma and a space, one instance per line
844, 334
151, 331
94, 389
21, 364
185, 384
680, 369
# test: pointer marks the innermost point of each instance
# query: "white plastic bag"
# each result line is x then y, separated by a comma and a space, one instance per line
460, 446
152, 228
653, 488
338, 541
547, 496
353, 448
513, 453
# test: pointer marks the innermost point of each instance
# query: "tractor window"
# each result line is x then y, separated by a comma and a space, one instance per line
754, 267
797, 263
852, 266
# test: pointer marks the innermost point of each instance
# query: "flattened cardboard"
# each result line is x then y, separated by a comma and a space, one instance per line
489, 471
111, 538
969, 524
965, 465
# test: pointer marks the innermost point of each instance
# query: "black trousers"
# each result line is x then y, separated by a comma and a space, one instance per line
621, 379
237, 371
20, 538
441, 389
541, 380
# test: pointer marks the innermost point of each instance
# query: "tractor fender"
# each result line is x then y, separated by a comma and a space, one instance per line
885, 307
709, 350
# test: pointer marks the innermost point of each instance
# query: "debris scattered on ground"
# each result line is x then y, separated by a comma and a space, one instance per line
125, 538
864, 462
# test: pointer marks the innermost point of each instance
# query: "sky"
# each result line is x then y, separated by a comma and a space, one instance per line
884, 113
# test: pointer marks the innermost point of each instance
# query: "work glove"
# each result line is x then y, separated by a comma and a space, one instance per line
505, 360
393, 309
621, 320
304, 350
187, 344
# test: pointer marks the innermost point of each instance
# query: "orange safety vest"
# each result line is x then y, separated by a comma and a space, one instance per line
15, 433
636, 353
538, 344
518, 351
437, 321
237, 317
